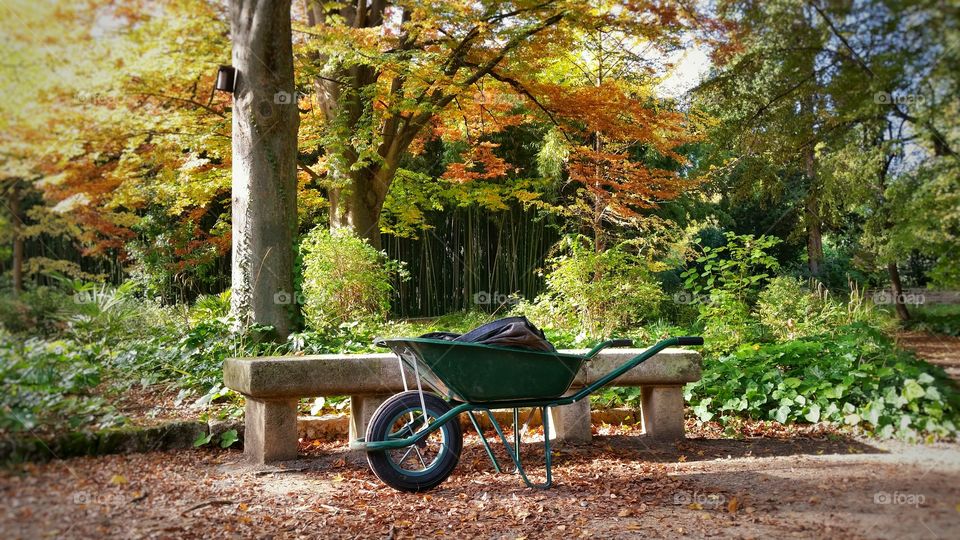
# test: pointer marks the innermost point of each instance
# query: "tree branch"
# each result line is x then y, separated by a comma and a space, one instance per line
184, 100
836, 32
519, 87
439, 99
485, 68
941, 147
310, 172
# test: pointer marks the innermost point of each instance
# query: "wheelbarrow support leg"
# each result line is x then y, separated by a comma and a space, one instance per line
515, 453
486, 445
516, 431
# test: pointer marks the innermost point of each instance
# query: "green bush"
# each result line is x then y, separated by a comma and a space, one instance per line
726, 321
787, 309
344, 279
855, 376
725, 282
598, 294
35, 311
49, 384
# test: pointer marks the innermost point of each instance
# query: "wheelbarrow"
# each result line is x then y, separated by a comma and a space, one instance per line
414, 438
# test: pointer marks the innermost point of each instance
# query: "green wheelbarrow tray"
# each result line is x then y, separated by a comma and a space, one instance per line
471, 372
475, 377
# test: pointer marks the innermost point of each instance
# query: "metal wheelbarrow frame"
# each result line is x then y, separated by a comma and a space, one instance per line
476, 378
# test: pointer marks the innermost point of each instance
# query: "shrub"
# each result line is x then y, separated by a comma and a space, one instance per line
787, 309
740, 267
725, 282
344, 279
855, 376
598, 293
35, 311
50, 384
99, 311
726, 322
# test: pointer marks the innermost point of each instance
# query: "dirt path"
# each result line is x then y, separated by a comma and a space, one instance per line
940, 350
619, 486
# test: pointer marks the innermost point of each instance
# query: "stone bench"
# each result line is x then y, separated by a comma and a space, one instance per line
272, 387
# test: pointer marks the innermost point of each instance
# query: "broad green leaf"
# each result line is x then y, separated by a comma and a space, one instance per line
202, 440
912, 390
782, 414
813, 414
228, 438
792, 382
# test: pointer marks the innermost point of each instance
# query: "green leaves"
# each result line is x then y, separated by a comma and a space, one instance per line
202, 440
228, 438
344, 279
813, 414
912, 390
702, 410
599, 292
855, 377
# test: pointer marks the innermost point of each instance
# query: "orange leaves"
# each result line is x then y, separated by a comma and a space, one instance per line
618, 116
485, 110
482, 164
620, 186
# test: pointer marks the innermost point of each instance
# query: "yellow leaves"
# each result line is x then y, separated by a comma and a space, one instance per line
118, 480
525, 196
193, 189
125, 219
733, 505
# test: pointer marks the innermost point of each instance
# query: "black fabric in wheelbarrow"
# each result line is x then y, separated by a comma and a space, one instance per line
515, 332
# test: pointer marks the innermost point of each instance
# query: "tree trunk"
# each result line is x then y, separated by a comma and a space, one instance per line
356, 196
897, 287
812, 216
358, 206
265, 122
17, 222
814, 238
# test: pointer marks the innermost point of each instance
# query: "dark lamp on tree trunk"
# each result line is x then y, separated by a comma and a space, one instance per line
226, 76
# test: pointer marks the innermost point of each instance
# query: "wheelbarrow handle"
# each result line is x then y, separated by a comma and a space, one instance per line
690, 340
609, 343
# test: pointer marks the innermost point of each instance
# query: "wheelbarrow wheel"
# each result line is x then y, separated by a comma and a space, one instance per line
421, 466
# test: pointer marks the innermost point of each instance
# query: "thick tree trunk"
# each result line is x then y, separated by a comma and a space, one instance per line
265, 122
358, 207
814, 238
897, 287
356, 196
17, 222
812, 216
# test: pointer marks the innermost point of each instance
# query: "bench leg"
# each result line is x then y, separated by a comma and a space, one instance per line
361, 410
270, 431
662, 408
571, 423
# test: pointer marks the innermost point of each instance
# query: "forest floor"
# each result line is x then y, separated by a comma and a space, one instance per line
937, 349
787, 483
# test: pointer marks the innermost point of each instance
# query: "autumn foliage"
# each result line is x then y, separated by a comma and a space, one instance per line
143, 147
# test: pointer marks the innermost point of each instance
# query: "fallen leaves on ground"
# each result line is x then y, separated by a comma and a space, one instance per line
617, 486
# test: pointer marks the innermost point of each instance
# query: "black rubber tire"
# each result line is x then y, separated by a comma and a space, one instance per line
382, 421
